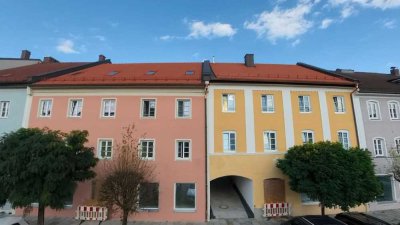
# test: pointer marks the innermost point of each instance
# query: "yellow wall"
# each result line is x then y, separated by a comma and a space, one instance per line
306, 121
342, 121
269, 121
229, 121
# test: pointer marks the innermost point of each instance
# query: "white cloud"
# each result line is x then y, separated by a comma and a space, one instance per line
66, 46
296, 42
381, 4
283, 23
167, 38
100, 37
326, 23
198, 29
389, 24
347, 11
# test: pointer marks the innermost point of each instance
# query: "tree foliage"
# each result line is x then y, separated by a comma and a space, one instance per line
43, 166
328, 173
120, 188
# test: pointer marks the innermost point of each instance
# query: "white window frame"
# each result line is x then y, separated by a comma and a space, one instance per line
307, 132
229, 141
48, 108
103, 105
370, 104
147, 150
395, 109
4, 107
99, 145
301, 99
339, 105
267, 144
233, 101
270, 104
383, 146
177, 149
69, 112
177, 108
142, 108
341, 141
195, 198
397, 144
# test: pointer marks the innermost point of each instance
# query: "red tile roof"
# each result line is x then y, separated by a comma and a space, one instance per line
131, 74
273, 73
24, 74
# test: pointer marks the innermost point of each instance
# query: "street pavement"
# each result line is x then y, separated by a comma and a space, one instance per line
391, 216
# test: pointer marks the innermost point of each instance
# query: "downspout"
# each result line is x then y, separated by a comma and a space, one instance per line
207, 83
354, 113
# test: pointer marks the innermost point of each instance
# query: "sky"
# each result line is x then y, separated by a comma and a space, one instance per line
363, 35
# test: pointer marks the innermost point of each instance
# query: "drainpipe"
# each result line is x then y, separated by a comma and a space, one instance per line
354, 114
207, 83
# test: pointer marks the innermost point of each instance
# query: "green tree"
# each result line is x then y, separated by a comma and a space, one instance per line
124, 177
43, 166
328, 173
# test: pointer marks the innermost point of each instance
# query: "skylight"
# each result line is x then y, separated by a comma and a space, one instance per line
113, 73
151, 72
189, 72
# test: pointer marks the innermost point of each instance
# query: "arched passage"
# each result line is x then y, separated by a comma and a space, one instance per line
231, 197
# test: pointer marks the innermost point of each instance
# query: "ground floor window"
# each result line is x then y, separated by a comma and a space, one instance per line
148, 196
305, 199
387, 189
185, 196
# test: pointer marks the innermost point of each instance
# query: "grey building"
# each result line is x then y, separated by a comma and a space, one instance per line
24, 60
377, 112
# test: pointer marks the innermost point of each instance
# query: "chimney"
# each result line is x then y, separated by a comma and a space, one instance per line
249, 60
394, 71
49, 59
25, 54
102, 58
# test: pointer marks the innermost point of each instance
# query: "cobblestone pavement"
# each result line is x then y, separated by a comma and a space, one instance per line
391, 216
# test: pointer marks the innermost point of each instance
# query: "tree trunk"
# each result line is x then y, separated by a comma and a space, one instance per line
125, 217
322, 209
40, 220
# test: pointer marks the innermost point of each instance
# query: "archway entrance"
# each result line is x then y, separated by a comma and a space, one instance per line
231, 197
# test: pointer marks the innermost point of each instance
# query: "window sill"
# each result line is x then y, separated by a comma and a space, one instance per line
228, 111
340, 112
267, 112
183, 117
184, 210
149, 210
310, 203
306, 112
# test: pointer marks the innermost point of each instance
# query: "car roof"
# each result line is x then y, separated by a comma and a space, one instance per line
322, 220
364, 218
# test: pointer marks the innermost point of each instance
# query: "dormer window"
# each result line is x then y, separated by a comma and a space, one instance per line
151, 72
113, 73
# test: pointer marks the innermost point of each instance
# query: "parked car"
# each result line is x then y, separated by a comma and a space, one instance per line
313, 220
354, 218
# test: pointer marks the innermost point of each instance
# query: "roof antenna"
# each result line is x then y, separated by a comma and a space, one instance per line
213, 59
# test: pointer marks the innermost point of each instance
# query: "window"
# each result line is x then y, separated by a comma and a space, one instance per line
45, 108
75, 108
379, 145
394, 110
184, 108
305, 199
105, 148
229, 140
397, 144
183, 149
387, 189
343, 137
148, 196
304, 103
339, 103
4, 107
108, 108
147, 149
148, 108
373, 110
307, 136
185, 196
269, 140
267, 103
228, 103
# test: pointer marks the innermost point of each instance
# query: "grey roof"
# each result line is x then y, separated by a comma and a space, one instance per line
374, 82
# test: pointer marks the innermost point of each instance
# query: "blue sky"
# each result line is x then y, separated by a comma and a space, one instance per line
359, 34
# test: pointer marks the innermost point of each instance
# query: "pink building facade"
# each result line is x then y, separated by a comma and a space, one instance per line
169, 117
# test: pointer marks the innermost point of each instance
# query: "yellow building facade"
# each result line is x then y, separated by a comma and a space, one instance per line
250, 126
